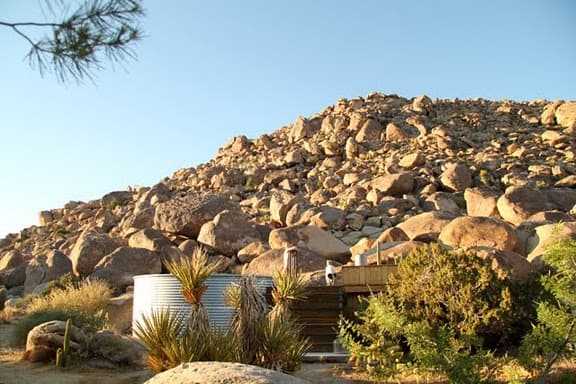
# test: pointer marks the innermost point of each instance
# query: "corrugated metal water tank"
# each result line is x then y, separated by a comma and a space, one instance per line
153, 292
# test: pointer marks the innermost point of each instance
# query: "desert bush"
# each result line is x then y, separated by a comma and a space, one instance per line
436, 314
84, 303
554, 335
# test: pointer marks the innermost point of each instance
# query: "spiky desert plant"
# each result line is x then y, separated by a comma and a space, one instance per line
223, 345
288, 287
282, 345
192, 273
251, 309
169, 340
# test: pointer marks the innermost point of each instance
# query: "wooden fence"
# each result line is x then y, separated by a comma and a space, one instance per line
319, 314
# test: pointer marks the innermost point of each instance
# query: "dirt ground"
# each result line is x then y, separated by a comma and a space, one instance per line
15, 371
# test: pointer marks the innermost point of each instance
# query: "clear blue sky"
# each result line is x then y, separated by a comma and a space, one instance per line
211, 70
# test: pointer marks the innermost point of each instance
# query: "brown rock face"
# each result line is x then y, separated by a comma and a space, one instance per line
566, 114
46, 267
185, 215
475, 231
228, 232
89, 249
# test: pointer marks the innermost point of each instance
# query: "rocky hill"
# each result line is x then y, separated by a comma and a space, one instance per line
492, 176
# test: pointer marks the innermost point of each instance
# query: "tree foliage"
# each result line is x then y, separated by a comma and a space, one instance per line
79, 41
436, 315
553, 337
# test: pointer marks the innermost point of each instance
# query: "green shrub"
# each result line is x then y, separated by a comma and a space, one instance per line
437, 314
554, 335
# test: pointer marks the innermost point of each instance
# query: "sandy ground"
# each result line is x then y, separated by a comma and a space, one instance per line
15, 371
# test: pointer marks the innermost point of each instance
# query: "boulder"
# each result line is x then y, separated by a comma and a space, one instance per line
185, 215
412, 160
119, 267
395, 184
50, 335
252, 251
548, 116
89, 249
506, 263
475, 231
481, 202
544, 236
396, 133
10, 260
280, 204
518, 203
209, 372
312, 238
391, 235
46, 267
425, 225
118, 349
441, 201
303, 128
392, 252
566, 114
370, 131
329, 218
14, 277
150, 239
228, 232
116, 198
456, 177
273, 260
119, 310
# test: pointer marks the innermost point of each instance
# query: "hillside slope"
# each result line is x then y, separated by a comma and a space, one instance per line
487, 175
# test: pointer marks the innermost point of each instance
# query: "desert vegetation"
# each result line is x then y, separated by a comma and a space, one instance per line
447, 314
259, 335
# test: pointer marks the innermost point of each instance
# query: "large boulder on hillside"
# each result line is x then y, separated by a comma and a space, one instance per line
561, 198
116, 198
303, 128
395, 184
310, 237
211, 372
10, 259
370, 130
456, 177
228, 232
89, 249
481, 202
185, 215
252, 251
280, 204
518, 203
442, 201
119, 267
46, 267
545, 235
392, 252
566, 114
12, 269
506, 263
425, 226
329, 218
273, 260
475, 231
548, 116
150, 239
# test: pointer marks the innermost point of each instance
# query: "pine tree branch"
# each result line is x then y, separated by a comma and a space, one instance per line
559, 351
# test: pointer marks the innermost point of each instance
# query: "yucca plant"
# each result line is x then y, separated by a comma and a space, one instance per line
192, 273
288, 287
281, 344
251, 309
169, 340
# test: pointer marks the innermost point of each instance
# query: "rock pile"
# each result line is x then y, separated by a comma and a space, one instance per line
492, 176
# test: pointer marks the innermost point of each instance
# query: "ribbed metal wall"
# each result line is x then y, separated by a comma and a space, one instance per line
153, 292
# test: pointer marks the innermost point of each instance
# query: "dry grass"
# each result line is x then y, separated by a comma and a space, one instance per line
89, 296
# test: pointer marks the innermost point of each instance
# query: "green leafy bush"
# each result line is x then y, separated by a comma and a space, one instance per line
437, 314
554, 335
